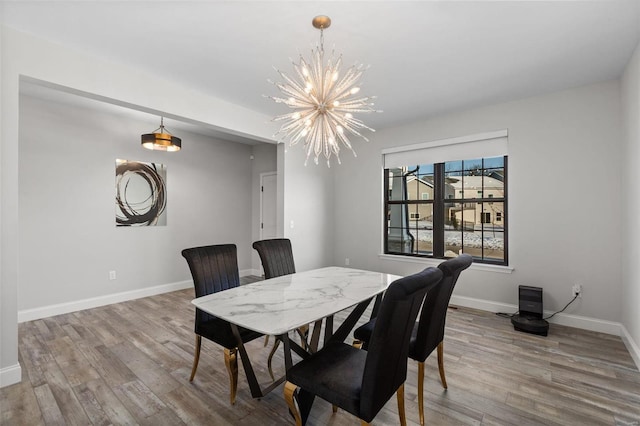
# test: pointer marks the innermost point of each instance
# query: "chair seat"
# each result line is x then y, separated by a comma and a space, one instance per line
219, 331
334, 375
363, 333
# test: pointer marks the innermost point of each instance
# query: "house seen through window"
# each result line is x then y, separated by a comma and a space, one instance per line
444, 209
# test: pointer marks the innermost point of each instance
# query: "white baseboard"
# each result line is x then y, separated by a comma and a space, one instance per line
585, 323
254, 272
632, 346
10, 375
94, 302
577, 321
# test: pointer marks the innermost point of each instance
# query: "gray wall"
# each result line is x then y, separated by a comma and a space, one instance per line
68, 237
631, 201
564, 198
264, 161
308, 200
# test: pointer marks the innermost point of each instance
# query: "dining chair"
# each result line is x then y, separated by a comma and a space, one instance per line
361, 382
428, 332
215, 268
276, 255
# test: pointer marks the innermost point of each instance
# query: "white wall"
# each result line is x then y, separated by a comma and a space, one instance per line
631, 202
68, 237
564, 151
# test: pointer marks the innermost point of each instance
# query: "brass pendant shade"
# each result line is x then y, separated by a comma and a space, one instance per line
162, 140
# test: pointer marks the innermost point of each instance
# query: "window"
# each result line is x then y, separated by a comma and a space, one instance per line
465, 209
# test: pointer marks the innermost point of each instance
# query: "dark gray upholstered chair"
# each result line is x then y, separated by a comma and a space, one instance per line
428, 333
361, 382
276, 256
215, 268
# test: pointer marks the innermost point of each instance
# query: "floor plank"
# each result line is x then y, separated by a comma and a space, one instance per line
129, 363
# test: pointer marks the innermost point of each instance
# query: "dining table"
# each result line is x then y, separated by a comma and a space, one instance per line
279, 305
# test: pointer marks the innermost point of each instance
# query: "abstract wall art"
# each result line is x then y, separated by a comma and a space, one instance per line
141, 193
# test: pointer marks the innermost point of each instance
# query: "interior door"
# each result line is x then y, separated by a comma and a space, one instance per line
268, 228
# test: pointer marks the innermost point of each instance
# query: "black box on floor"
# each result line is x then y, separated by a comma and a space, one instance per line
529, 318
530, 301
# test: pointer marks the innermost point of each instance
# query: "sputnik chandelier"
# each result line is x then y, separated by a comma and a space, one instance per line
324, 102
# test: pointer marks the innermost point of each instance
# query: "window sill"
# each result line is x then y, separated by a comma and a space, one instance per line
435, 262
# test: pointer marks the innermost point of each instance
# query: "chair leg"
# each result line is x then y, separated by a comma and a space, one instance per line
303, 332
441, 364
290, 394
357, 344
231, 361
334, 408
400, 394
273, 351
266, 340
421, 392
196, 357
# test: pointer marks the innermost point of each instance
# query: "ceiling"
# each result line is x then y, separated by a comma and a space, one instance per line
426, 58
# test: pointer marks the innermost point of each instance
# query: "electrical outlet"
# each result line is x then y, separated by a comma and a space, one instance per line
347, 261
576, 290
112, 275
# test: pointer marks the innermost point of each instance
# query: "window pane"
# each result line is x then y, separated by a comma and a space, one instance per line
474, 229
414, 187
399, 240
493, 240
494, 162
422, 229
396, 191
493, 187
453, 166
473, 167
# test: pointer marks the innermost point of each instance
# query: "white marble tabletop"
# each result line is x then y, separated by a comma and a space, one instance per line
277, 305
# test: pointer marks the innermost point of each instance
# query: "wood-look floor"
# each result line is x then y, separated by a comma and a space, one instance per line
129, 363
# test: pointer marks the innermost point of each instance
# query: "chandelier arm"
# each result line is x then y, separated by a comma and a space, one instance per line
290, 90
311, 144
291, 83
296, 136
330, 142
349, 78
352, 126
358, 102
299, 124
292, 126
314, 81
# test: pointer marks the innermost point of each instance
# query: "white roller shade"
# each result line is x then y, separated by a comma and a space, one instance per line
484, 145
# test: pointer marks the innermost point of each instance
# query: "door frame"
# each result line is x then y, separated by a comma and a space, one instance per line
260, 218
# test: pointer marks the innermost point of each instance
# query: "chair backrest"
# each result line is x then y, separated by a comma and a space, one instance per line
386, 365
430, 330
213, 268
276, 256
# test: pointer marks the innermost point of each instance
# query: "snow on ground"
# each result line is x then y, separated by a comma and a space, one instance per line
492, 240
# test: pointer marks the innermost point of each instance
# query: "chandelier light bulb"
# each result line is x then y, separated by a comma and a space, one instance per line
322, 99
